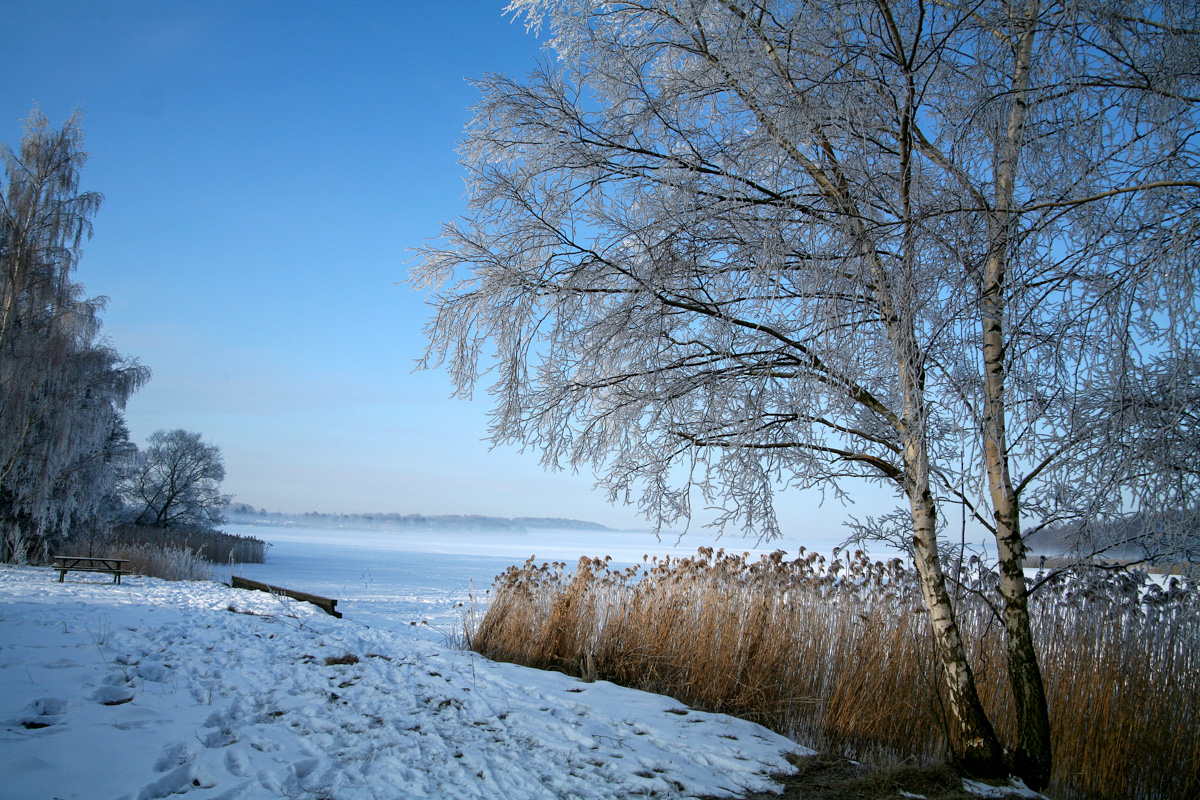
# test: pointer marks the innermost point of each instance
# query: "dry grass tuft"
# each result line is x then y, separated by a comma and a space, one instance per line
348, 658
162, 561
837, 654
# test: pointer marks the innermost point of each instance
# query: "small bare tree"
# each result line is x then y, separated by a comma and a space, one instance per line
177, 482
724, 248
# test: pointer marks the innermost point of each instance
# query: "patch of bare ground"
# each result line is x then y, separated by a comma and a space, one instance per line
830, 777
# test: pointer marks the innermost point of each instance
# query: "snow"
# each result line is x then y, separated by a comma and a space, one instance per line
390, 579
1015, 788
151, 689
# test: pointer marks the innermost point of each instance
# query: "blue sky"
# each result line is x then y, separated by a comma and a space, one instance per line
267, 167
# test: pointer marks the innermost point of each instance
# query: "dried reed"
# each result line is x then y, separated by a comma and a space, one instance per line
837, 654
216, 547
168, 562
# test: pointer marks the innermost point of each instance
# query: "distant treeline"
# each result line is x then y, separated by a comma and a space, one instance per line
215, 547
558, 523
1136, 538
249, 515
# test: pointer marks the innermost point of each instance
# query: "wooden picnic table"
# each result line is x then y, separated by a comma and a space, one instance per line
116, 566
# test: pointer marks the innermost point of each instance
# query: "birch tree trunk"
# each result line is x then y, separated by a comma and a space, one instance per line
730, 248
1032, 755
980, 751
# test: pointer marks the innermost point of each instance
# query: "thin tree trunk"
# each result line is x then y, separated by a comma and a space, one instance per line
1032, 756
980, 752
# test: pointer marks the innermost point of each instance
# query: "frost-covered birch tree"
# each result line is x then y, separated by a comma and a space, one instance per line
1068, 157
62, 387
718, 250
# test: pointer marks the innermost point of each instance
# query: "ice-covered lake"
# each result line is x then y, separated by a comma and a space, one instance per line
388, 579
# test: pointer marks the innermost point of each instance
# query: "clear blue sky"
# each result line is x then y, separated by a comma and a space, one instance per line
267, 167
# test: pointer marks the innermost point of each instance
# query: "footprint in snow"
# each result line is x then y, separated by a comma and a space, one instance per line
42, 713
112, 695
175, 755
222, 737
237, 764
179, 780
157, 673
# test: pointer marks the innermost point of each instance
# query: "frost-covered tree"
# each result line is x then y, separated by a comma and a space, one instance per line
723, 249
176, 481
62, 386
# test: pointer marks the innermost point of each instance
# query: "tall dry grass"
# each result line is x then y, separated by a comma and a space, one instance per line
169, 562
213, 546
838, 655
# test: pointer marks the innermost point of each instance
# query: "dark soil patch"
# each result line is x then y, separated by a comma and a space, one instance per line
826, 777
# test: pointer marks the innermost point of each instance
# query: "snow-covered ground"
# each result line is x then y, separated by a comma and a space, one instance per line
151, 689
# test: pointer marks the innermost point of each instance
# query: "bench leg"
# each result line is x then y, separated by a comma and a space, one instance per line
62, 575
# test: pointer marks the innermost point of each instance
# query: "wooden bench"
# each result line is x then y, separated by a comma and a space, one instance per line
116, 566
327, 604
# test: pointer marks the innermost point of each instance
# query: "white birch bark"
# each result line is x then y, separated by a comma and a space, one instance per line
720, 249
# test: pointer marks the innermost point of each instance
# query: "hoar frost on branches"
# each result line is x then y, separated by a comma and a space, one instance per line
176, 481
721, 249
62, 386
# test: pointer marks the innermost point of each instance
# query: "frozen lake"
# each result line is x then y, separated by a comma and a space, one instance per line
389, 579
